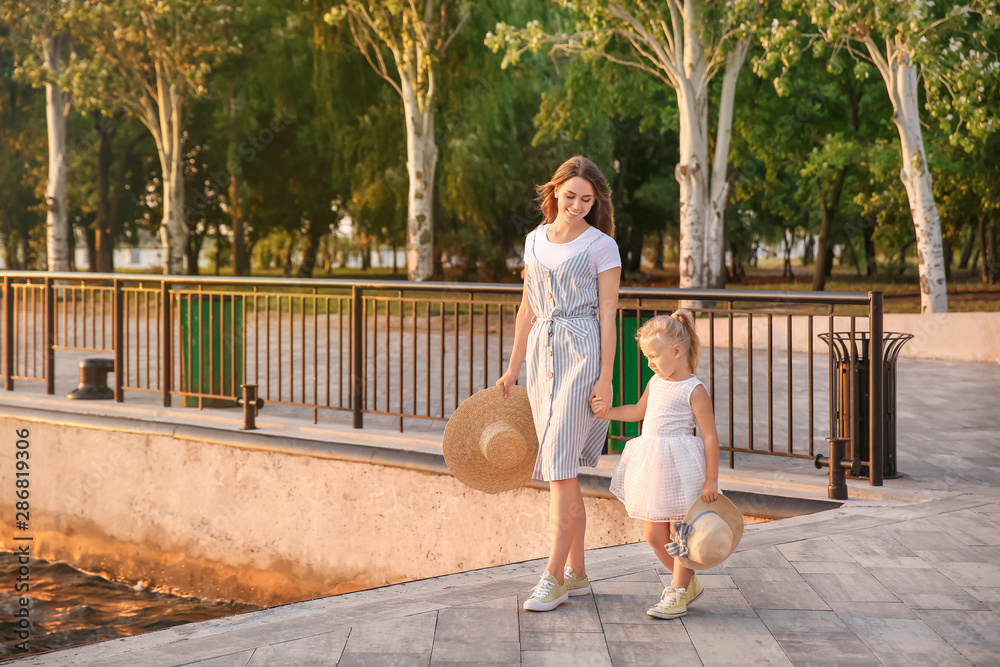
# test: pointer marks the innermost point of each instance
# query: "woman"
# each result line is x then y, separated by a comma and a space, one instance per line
566, 328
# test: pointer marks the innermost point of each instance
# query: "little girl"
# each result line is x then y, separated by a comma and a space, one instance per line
668, 467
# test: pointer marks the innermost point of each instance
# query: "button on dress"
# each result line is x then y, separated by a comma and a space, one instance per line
564, 362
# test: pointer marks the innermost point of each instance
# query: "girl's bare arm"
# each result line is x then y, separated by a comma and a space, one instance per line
522, 325
626, 413
701, 403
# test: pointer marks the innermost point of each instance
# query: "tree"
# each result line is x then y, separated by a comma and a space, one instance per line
148, 57
685, 44
40, 27
416, 35
945, 45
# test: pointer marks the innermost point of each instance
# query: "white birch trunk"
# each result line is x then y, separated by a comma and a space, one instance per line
917, 180
421, 163
169, 144
719, 193
56, 112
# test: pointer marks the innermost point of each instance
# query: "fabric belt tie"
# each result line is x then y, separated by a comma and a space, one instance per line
575, 325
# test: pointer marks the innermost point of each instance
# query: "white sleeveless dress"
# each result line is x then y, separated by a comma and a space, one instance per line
663, 470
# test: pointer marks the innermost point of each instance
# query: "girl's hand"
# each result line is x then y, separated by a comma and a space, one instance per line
601, 391
599, 408
507, 380
710, 492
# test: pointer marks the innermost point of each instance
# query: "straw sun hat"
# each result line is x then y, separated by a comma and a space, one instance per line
708, 534
490, 442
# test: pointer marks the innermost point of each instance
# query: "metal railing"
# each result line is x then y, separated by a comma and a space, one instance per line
414, 351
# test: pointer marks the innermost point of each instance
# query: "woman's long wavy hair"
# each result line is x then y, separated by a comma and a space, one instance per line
602, 214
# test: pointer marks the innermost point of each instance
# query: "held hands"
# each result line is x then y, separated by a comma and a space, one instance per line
600, 399
599, 408
710, 491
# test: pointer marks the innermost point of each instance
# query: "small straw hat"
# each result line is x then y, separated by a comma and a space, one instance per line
490, 442
708, 534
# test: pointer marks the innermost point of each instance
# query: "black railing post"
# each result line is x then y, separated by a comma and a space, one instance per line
357, 357
876, 388
167, 342
119, 340
8, 333
50, 338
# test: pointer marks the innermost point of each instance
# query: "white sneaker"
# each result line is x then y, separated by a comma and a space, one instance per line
547, 595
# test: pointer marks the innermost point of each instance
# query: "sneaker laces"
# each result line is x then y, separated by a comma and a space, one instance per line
669, 598
544, 586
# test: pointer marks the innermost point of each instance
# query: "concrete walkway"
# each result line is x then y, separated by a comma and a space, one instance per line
904, 575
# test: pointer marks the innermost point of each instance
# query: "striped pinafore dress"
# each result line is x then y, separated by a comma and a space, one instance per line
564, 362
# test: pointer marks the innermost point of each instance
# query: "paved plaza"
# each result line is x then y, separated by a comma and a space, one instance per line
904, 574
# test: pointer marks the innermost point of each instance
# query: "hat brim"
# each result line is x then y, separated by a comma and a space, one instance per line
730, 513
462, 454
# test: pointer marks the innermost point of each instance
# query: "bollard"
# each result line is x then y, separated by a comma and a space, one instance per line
94, 380
837, 490
251, 404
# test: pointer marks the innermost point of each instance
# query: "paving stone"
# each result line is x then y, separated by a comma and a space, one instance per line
493, 625
563, 641
816, 549
646, 574
473, 650
730, 648
763, 557
861, 611
988, 596
619, 587
627, 654
144, 658
781, 595
991, 554
845, 650
849, 587
870, 547
232, 660
647, 630
577, 615
565, 659
382, 659
964, 627
953, 555
983, 575
625, 608
716, 580
408, 635
830, 567
326, 647
203, 648
802, 622
740, 575
968, 528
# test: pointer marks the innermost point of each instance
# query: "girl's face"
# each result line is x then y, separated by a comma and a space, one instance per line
668, 361
575, 198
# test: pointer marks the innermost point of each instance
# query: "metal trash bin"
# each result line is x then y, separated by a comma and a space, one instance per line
211, 349
630, 375
850, 396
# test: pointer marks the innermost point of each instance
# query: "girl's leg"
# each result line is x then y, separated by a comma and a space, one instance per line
567, 525
682, 576
657, 534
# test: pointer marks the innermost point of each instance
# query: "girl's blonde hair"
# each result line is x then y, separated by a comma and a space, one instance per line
675, 329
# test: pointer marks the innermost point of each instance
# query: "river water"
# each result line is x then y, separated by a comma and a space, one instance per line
69, 607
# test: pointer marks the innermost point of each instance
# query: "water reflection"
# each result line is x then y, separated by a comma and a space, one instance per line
70, 607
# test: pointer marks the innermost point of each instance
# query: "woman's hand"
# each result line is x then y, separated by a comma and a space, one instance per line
710, 491
507, 380
602, 392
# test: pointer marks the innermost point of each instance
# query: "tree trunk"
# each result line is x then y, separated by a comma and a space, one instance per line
241, 261
870, 262
970, 244
948, 258
994, 260
824, 251
690, 173
56, 112
715, 249
93, 262
421, 163
165, 125
901, 80
309, 248
104, 234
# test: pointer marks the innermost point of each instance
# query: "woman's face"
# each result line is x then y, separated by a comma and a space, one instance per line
575, 198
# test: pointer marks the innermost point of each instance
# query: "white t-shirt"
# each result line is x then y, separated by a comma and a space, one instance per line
602, 251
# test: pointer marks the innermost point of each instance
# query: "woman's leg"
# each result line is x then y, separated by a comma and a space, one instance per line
682, 576
657, 534
567, 525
